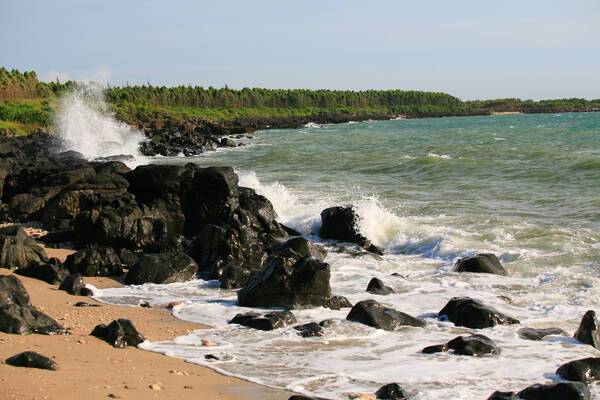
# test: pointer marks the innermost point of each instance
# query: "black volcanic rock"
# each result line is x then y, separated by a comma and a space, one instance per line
119, 333
471, 313
294, 277
52, 272
370, 312
265, 322
18, 316
481, 263
95, 261
549, 391
17, 250
339, 223
31, 359
74, 285
166, 267
588, 331
310, 329
474, 345
586, 370
539, 334
376, 286
391, 391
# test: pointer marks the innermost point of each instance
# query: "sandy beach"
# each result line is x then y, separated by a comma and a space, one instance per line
92, 369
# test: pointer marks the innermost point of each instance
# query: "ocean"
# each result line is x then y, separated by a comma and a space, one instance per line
427, 191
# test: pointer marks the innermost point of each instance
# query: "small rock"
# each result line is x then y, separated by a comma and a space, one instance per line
311, 329
481, 263
266, 322
370, 312
31, 359
474, 345
539, 334
586, 370
588, 331
376, 286
206, 342
391, 391
155, 386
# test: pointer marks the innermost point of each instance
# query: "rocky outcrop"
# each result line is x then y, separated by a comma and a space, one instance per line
18, 316
95, 261
166, 267
481, 263
474, 345
550, 391
371, 313
586, 370
471, 313
119, 333
264, 322
588, 331
31, 359
339, 223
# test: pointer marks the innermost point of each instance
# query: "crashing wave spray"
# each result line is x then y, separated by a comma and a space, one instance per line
86, 124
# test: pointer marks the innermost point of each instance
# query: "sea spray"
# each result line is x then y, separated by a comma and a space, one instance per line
86, 124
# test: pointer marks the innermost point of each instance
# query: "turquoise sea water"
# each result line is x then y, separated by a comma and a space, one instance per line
428, 191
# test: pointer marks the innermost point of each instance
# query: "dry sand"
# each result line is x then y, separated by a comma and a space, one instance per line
92, 369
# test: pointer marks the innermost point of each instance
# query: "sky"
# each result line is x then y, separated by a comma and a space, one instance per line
531, 49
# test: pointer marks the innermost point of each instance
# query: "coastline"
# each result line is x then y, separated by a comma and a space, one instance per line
91, 368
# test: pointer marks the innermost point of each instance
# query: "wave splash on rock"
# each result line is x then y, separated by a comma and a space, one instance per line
86, 124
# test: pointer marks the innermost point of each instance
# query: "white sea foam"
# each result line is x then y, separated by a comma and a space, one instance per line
86, 124
440, 156
312, 125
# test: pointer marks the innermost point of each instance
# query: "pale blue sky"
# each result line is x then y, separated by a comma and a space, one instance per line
471, 49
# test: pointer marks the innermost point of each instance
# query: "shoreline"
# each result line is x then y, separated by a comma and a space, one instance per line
91, 368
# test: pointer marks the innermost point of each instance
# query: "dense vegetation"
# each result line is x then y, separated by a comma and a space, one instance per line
27, 104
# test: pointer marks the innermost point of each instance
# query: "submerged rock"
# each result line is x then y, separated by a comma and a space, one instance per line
265, 322
166, 267
471, 313
31, 359
370, 312
391, 391
119, 333
586, 370
481, 263
549, 391
95, 261
588, 332
474, 345
337, 303
376, 286
539, 334
18, 316
311, 329
339, 223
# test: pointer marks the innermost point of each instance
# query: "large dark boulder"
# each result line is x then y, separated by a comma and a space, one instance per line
549, 391
153, 182
339, 223
391, 391
474, 345
265, 322
18, 316
372, 313
588, 331
52, 272
482, 263
465, 311
95, 261
31, 359
119, 333
586, 370
17, 250
376, 286
293, 278
166, 267
539, 334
